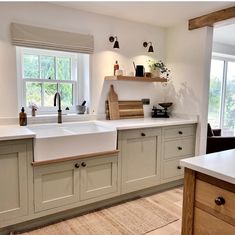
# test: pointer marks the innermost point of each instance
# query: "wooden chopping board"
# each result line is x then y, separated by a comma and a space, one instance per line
113, 104
127, 109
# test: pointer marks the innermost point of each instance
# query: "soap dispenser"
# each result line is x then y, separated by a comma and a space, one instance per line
22, 117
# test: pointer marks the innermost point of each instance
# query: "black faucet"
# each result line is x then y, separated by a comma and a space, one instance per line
57, 94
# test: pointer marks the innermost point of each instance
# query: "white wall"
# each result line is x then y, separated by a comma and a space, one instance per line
131, 36
188, 55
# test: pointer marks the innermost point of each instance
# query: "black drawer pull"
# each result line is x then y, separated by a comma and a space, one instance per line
219, 201
83, 164
77, 165
180, 133
179, 167
180, 148
143, 134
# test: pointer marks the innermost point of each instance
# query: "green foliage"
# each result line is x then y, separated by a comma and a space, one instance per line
48, 71
153, 65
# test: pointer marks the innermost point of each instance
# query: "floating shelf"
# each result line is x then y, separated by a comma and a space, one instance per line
135, 79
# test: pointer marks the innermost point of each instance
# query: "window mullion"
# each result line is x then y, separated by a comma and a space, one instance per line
223, 94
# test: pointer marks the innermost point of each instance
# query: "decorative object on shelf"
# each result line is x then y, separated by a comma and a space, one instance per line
34, 108
115, 67
147, 75
136, 79
161, 113
113, 104
158, 68
145, 44
139, 70
115, 40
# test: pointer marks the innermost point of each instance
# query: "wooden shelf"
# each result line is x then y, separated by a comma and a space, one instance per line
135, 79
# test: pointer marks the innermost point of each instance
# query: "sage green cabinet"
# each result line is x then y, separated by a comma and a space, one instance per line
178, 142
14, 161
56, 185
99, 177
74, 181
140, 152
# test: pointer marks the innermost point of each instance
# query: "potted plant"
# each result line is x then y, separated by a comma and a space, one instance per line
34, 108
158, 69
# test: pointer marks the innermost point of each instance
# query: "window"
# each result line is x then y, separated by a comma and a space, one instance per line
42, 73
221, 112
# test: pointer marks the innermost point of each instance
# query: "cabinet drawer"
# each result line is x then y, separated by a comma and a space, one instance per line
172, 169
179, 131
206, 194
179, 147
206, 224
139, 133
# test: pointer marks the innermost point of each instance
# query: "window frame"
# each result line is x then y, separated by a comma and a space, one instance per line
76, 65
226, 59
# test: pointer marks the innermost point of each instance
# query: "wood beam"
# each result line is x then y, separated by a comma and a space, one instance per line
211, 18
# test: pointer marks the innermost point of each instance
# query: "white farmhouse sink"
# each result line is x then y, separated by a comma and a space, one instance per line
72, 139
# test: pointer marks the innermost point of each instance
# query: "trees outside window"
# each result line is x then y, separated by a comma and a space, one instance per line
42, 73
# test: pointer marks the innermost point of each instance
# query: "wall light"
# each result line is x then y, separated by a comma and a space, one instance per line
145, 44
115, 40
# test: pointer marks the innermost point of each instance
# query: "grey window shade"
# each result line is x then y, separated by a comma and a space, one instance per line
36, 37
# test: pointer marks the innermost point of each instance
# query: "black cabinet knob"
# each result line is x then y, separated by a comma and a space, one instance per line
219, 201
179, 167
77, 165
83, 164
180, 133
143, 134
179, 148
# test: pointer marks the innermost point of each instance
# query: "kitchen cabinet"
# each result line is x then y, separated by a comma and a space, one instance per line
178, 142
56, 185
63, 183
15, 156
208, 205
140, 152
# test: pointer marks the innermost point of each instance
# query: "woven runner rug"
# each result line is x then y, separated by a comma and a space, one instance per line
135, 217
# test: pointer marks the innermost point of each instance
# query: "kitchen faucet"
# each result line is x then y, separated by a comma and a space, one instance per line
57, 95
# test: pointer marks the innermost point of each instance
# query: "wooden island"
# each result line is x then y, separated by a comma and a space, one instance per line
209, 194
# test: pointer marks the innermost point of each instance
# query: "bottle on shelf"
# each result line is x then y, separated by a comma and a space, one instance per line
22, 118
116, 67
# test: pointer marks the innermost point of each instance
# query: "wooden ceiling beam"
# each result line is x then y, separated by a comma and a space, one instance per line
211, 18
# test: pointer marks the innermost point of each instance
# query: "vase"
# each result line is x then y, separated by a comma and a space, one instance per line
156, 72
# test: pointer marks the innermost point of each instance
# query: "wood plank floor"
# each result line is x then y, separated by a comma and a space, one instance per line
170, 201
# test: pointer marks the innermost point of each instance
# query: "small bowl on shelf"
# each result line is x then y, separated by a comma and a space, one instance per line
165, 105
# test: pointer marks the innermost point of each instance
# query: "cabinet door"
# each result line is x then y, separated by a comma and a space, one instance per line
140, 160
13, 181
99, 177
55, 185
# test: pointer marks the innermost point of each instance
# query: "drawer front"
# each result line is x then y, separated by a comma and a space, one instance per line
205, 197
172, 169
179, 131
179, 147
206, 224
139, 133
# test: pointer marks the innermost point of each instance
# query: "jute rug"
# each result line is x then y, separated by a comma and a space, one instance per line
135, 217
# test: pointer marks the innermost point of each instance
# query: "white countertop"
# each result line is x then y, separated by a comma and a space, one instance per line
126, 124
220, 165
12, 132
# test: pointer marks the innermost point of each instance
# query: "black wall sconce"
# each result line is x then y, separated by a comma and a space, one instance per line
115, 40
145, 44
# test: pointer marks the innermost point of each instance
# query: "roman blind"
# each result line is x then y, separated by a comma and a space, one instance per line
43, 38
